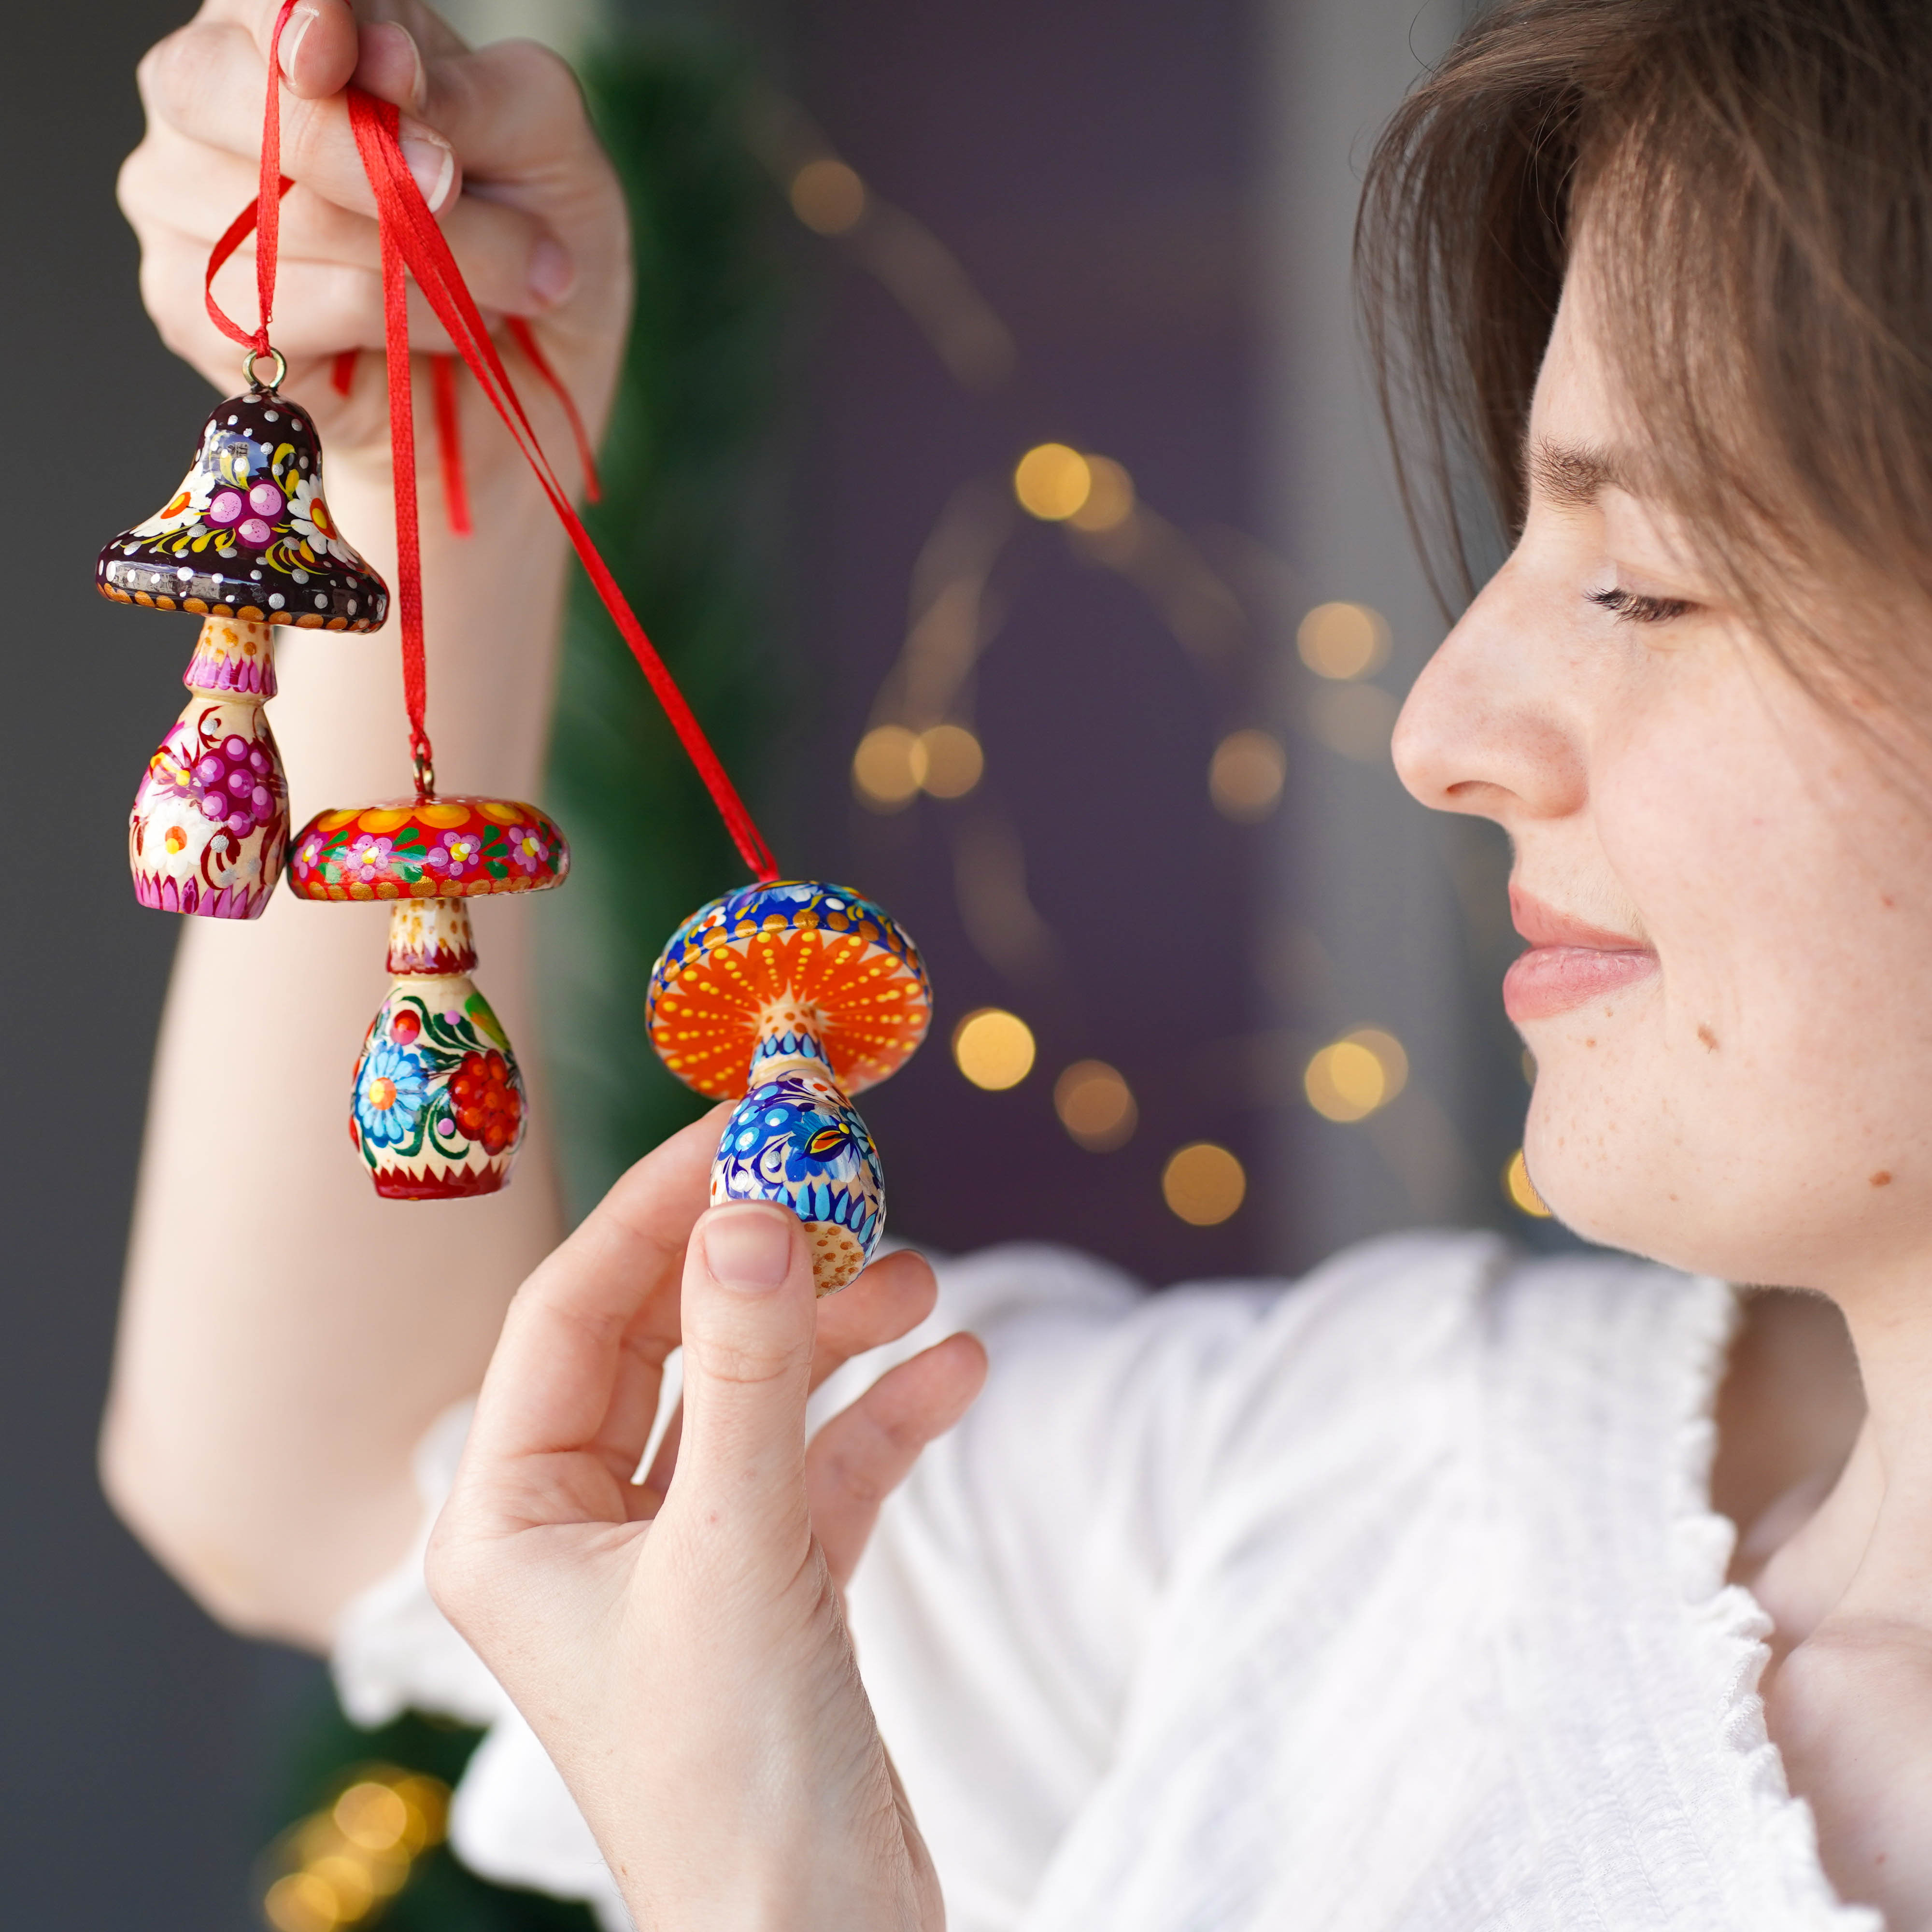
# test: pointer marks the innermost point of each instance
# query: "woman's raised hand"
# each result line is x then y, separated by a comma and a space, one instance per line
680, 1646
497, 139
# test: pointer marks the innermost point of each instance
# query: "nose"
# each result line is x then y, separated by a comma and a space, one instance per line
1488, 728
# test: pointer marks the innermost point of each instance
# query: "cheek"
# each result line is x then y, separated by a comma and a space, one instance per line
1732, 1113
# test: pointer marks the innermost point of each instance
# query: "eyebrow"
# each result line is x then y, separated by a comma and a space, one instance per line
1574, 474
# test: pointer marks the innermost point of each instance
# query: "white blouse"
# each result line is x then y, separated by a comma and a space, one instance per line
1392, 1600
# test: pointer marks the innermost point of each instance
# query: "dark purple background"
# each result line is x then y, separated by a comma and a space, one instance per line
1087, 163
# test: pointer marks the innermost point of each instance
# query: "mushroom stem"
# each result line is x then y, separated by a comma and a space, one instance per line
437, 1107
211, 818
797, 1141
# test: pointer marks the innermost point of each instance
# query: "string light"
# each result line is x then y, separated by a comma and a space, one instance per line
889, 767
1096, 1105
1245, 774
343, 1863
1052, 481
1204, 1184
828, 196
994, 1048
1343, 640
950, 761
1521, 1191
1110, 497
1354, 1076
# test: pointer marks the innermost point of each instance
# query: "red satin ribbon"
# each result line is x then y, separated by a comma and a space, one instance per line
410, 236
265, 213
411, 243
449, 443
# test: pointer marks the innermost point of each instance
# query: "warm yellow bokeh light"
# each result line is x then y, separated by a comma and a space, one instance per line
828, 196
301, 1902
1522, 1190
1351, 1077
1357, 720
1204, 1184
994, 1048
1109, 501
1052, 481
953, 760
428, 1800
1096, 1105
1343, 640
372, 1816
889, 767
347, 1876
1246, 774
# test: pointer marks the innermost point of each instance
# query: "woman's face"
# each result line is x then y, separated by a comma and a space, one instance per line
1727, 888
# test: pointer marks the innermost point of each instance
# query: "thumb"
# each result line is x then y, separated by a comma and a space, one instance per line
749, 1320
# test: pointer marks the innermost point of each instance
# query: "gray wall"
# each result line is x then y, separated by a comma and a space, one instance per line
129, 1727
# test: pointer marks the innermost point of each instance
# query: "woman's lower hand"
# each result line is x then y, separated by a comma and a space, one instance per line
680, 1646
496, 138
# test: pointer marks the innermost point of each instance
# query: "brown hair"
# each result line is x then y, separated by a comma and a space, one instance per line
1757, 177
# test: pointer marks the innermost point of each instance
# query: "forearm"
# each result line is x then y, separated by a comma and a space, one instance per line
286, 1336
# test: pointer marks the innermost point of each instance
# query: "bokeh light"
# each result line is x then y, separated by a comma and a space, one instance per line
1352, 1077
1204, 1184
953, 761
1343, 640
1357, 720
301, 1902
1052, 481
1096, 1105
889, 767
828, 196
994, 1048
340, 1864
1521, 1190
372, 1816
1109, 501
1245, 774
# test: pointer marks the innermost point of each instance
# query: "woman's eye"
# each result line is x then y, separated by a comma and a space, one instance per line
1632, 607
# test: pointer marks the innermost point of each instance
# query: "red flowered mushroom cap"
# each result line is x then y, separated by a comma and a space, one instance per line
426, 849
796, 953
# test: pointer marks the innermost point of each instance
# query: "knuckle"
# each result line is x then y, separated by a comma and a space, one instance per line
174, 71
535, 73
746, 1361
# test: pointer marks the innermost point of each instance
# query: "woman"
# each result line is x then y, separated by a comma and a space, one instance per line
1444, 1590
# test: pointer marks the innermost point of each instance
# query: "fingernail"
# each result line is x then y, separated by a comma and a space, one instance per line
749, 1248
552, 271
433, 165
300, 22
418, 75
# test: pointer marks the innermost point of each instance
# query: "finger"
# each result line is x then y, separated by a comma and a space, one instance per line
196, 82
170, 186
862, 1454
656, 1485
318, 46
748, 1314
607, 1300
328, 310
890, 1299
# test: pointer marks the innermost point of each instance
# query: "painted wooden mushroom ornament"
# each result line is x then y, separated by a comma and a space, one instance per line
791, 994
246, 543
794, 995
437, 1109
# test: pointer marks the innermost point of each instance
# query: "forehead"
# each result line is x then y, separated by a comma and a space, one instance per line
1580, 443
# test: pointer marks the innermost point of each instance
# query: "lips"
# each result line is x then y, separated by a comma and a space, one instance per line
1569, 963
